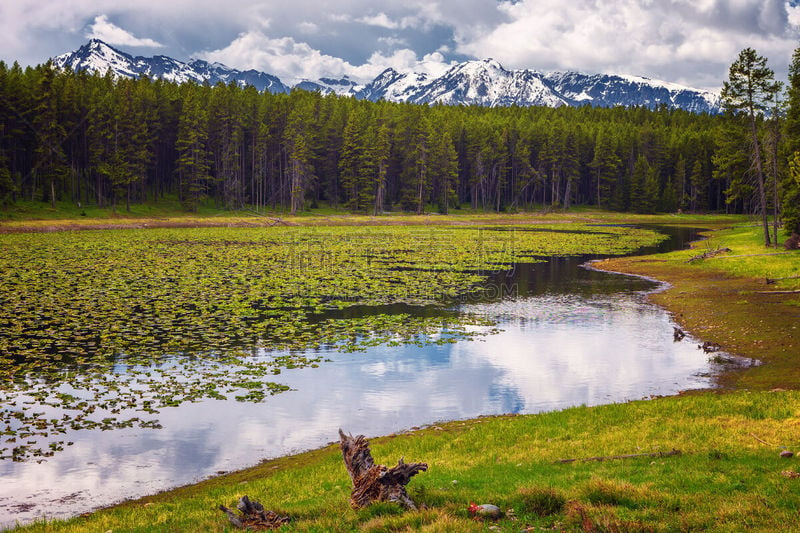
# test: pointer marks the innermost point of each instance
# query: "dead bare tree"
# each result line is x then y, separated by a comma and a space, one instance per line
376, 483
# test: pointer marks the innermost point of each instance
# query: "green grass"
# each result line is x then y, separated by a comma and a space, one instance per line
746, 257
725, 479
726, 300
729, 476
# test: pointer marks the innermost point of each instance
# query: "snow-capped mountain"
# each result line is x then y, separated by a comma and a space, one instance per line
484, 83
343, 86
608, 90
97, 56
487, 83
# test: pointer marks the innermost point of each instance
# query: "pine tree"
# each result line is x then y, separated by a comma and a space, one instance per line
792, 122
699, 188
791, 196
443, 166
193, 163
298, 140
379, 153
749, 84
351, 160
50, 157
605, 165
790, 185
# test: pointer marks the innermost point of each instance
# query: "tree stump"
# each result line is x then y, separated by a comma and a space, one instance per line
254, 516
376, 483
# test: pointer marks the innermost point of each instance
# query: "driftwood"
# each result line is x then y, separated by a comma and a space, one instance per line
376, 483
751, 255
779, 292
710, 253
709, 347
629, 456
771, 281
253, 516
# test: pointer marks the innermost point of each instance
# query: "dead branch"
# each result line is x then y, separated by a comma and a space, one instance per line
629, 456
253, 516
771, 281
760, 440
375, 483
710, 253
779, 292
752, 255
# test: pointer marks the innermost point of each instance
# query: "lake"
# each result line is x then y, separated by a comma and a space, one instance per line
569, 336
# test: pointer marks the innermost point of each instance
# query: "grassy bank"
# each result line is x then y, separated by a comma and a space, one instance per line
725, 299
36, 217
728, 477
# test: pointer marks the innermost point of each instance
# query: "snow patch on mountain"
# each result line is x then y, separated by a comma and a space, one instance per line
484, 83
97, 56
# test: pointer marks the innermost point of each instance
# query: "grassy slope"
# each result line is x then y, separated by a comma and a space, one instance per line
720, 300
726, 479
729, 477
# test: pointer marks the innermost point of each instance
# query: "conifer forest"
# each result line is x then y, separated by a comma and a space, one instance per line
100, 140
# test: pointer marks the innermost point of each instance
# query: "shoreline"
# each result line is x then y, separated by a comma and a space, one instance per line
705, 304
718, 308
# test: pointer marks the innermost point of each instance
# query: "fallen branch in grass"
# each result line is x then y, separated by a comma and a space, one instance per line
629, 456
779, 292
752, 255
771, 281
761, 440
376, 483
710, 253
253, 516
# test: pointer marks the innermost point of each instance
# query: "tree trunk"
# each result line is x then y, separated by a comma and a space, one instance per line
762, 195
376, 483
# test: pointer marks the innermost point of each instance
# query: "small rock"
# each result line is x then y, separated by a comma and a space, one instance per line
786, 454
485, 510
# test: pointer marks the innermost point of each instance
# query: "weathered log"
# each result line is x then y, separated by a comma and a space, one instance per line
771, 281
796, 291
376, 483
253, 516
710, 253
709, 347
628, 456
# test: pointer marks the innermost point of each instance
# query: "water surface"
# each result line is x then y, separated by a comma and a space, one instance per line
570, 336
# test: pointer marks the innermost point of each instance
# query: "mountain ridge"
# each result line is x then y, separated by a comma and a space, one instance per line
478, 82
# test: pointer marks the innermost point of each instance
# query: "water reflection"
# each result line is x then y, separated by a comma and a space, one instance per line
570, 336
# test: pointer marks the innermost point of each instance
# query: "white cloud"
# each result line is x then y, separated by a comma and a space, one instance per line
381, 20
687, 41
107, 31
292, 61
393, 42
308, 27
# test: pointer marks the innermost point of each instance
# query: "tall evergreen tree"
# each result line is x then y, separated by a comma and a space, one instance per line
193, 163
791, 182
605, 165
749, 86
50, 133
443, 166
379, 153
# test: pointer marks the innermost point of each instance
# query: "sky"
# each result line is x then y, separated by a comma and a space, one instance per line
691, 42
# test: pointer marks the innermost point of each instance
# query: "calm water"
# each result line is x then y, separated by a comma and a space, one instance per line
570, 336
